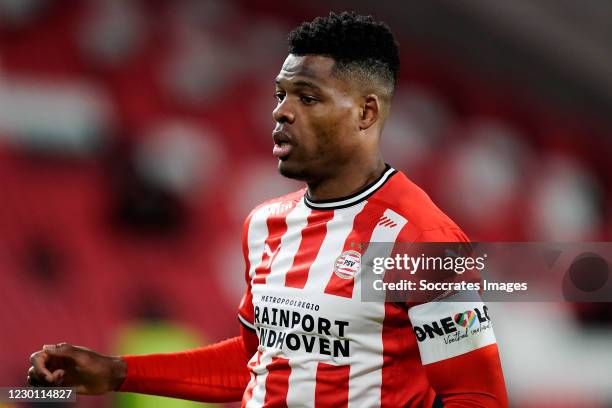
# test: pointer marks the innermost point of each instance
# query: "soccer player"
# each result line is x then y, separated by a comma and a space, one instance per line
306, 336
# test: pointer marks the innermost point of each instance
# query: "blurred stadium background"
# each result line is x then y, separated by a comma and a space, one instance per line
135, 137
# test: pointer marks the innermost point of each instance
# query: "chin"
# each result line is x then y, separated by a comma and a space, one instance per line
290, 170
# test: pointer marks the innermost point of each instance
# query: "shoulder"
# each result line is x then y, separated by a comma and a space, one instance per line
276, 205
425, 220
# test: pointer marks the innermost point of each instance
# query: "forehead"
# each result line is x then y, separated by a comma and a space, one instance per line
316, 69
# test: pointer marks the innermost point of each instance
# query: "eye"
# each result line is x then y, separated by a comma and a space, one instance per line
308, 100
279, 96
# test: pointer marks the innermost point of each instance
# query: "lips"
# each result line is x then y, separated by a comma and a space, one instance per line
281, 151
282, 144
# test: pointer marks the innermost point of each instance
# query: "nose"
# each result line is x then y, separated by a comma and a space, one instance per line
283, 112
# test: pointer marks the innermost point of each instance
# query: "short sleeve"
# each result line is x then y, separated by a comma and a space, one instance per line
452, 322
454, 326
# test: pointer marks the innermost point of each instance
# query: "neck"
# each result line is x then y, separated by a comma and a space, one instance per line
347, 180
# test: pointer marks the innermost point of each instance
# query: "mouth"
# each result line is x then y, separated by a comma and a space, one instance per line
282, 144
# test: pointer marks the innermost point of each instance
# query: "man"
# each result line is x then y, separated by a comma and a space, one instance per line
307, 338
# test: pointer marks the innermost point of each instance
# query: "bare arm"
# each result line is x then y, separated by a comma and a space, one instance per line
213, 373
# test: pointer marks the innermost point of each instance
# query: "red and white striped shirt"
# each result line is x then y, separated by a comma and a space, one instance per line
319, 344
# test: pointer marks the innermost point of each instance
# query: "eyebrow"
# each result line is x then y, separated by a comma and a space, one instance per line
301, 83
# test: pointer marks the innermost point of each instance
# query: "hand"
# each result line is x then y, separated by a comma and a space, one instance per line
73, 366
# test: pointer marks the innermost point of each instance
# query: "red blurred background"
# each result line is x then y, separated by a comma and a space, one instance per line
135, 138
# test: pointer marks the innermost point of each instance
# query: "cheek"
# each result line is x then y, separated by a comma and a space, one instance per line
337, 130
318, 130
329, 133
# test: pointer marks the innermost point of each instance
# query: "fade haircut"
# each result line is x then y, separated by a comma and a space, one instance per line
360, 46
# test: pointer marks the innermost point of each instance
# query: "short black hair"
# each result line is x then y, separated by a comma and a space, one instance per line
356, 43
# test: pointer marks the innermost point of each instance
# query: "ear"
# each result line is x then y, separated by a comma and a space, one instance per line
369, 112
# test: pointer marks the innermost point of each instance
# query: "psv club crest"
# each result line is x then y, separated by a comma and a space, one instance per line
348, 264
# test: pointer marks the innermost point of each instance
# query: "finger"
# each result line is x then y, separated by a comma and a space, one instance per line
32, 376
59, 349
36, 383
78, 354
31, 381
34, 379
37, 378
58, 376
38, 361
